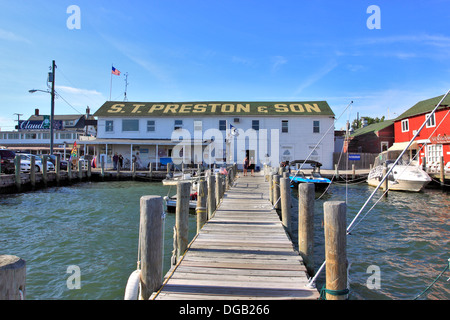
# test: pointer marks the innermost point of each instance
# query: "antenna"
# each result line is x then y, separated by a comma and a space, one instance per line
126, 87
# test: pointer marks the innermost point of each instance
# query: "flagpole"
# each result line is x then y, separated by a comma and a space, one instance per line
110, 84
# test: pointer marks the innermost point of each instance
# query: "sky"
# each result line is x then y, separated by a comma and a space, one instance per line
384, 59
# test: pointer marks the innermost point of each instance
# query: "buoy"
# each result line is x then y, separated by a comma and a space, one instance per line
132, 291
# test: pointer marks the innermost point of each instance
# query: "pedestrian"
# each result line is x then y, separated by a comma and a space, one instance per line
246, 163
120, 161
115, 160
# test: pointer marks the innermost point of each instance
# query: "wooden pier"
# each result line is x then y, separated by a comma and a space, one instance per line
242, 252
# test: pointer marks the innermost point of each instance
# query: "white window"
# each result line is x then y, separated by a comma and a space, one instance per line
316, 126
432, 121
151, 125
255, 125
284, 126
178, 124
405, 125
130, 125
223, 125
109, 126
434, 153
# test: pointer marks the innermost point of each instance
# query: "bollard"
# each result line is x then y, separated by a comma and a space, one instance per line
306, 225
335, 250
271, 187
285, 193
217, 188
12, 278
442, 172
182, 217
211, 196
151, 241
33, 171
17, 172
276, 191
202, 214
44, 169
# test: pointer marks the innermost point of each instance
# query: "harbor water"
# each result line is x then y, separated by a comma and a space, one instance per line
394, 253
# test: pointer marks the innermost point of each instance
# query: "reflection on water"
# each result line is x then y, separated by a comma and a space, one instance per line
95, 226
406, 236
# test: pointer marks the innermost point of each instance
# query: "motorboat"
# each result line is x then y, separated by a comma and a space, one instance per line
171, 202
406, 175
320, 182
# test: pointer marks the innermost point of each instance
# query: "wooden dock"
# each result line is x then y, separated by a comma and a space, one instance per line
242, 252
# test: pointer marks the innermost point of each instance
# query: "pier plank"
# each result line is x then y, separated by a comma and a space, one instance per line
242, 253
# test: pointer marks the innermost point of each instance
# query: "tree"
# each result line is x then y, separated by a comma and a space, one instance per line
356, 124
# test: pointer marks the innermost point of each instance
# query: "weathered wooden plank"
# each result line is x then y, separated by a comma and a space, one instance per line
243, 252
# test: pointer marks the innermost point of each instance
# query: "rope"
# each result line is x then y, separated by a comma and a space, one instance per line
435, 280
324, 291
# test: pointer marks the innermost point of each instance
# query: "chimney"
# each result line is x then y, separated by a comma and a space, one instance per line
36, 112
88, 111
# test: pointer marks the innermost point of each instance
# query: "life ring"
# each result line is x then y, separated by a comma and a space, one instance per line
132, 290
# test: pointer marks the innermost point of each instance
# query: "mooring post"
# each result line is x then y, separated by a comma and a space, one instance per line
102, 163
285, 193
33, 171
306, 225
385, 185
353, 172
276, 191
17, 172
151, 240
271, 174
12, 278
44, 169
211, 196
80, 170
217, 189
336, 171
335, 249
69, 170
442, 171
58, 169
182, 217
202, 214
89, 170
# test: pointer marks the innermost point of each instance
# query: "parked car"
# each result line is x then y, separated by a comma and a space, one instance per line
25, 158
7, 160
62, 163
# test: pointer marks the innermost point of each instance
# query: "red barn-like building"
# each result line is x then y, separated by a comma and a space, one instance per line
433, 142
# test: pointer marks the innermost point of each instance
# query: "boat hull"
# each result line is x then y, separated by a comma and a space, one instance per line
401, 185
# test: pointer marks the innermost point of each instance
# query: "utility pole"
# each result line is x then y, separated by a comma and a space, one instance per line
126, 87
52, 110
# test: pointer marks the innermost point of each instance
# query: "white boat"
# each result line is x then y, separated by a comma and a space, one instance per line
405, 176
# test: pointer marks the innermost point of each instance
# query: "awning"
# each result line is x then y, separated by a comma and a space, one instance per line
403, 145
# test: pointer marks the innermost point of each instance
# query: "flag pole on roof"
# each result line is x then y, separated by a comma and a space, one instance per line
115, 72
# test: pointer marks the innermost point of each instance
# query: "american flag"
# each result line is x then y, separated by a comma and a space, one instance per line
115, 71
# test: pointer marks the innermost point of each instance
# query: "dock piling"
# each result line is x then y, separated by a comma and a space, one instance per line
285, 193
151, 240
12, 278
335, 249
202, 214
182, 217
306, 225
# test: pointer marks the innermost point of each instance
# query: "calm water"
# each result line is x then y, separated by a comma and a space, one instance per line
95, 227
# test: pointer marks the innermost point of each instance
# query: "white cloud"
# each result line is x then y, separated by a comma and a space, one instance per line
278, 62
322, 72
72, 90
10, 36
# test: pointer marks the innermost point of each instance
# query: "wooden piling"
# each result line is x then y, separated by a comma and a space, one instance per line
80, 170
44, 169
33, 171
151, 241
285, 194
217, 188
335, 249
202, 214
271, 174
442, 171
58, 169
385, 185
276, 191
17, 172
182, 217
12, 278
306, 225
211, 196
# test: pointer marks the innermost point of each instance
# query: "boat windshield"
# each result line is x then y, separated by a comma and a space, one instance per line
389, 157
316, 175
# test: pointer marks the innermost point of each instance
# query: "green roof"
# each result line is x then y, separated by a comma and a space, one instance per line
424, 107
374, 127
211, 108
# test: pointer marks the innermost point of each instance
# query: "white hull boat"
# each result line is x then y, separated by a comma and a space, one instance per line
404, 176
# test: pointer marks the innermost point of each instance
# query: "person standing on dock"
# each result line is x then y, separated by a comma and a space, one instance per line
246, 163
115, 159
120, 161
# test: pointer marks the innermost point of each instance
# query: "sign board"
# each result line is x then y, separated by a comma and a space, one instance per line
355, 157
39, 125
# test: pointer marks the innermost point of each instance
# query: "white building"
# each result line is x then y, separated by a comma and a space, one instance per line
215, 132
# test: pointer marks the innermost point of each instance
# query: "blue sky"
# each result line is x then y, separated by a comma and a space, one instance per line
220, 50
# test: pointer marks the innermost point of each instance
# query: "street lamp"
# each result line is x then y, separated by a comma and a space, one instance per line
52, 110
